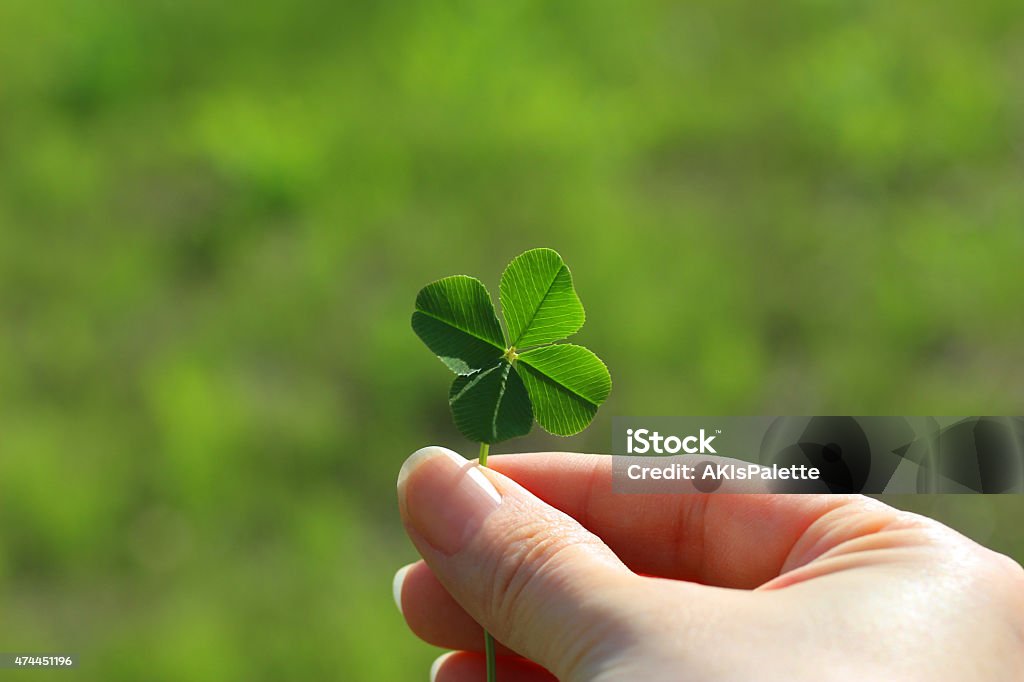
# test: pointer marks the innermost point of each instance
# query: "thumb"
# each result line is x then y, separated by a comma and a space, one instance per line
531, 575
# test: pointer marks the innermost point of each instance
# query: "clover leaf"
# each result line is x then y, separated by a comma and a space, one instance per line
508, 378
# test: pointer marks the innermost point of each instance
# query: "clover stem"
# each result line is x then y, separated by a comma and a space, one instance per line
492, 673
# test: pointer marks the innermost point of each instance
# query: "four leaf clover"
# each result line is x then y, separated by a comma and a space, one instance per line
508, 378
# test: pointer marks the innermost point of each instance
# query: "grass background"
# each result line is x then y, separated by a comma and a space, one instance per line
214, 220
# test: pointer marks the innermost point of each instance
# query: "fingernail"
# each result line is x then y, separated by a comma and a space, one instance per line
396, 586
444, 497
436, 666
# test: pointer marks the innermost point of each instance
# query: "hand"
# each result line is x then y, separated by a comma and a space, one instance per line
592, 585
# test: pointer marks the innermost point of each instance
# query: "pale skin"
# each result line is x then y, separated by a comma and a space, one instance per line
578, 583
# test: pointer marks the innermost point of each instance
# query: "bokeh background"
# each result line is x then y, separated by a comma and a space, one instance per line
214, 220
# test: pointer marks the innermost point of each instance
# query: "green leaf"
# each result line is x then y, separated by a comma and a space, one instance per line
455, 318
538, 299
566, 383
501, 388
491, 405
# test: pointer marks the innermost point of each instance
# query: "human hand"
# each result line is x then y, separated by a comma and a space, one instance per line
593, 585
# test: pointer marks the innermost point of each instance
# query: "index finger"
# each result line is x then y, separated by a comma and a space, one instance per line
722, 539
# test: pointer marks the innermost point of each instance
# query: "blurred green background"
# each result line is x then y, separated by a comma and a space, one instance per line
214, 220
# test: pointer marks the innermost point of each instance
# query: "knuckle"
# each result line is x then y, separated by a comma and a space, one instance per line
528, 565
540, 590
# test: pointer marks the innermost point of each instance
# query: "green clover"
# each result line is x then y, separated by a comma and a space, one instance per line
508, 378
